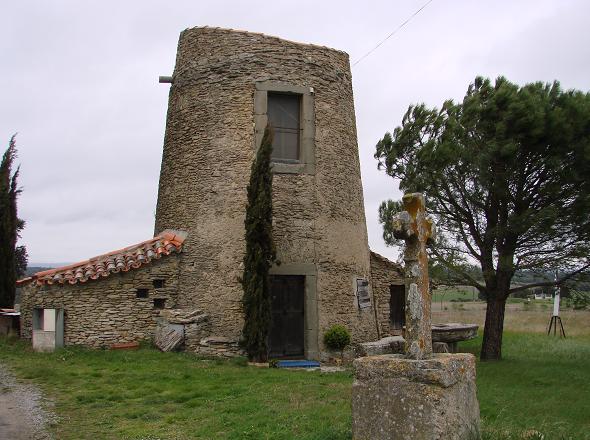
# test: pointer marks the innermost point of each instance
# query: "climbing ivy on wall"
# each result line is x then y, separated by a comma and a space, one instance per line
260, 254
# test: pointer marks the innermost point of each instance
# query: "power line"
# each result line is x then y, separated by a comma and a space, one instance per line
392, 34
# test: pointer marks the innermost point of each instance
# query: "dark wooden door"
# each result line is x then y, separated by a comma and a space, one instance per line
287, 305
397, 306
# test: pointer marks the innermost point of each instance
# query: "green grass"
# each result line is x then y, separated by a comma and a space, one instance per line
542, 384
147, 394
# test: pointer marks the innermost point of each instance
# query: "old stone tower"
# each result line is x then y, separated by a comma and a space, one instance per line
181, 288
226, 85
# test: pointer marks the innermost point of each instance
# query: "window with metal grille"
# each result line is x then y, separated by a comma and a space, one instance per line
284, 114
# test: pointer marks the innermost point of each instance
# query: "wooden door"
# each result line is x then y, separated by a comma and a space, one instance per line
286, 336
397, 307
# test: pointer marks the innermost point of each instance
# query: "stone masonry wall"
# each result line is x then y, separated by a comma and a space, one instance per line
208, 151
384, 273
99, 313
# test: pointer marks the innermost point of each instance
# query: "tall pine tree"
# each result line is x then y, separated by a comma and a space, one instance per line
506, 173
260, 254
10, 225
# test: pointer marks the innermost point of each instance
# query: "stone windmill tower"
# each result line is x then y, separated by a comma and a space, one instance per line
226, 85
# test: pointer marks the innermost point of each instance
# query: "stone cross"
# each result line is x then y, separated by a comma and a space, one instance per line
416, 228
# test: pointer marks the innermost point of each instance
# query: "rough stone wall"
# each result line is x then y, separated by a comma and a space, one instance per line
106, 311
208, 151
384, 273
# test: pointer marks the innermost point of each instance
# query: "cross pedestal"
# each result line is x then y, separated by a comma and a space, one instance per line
419, 395
394, 397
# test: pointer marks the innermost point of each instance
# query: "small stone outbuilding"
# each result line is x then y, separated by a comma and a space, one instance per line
387, 279
110, 299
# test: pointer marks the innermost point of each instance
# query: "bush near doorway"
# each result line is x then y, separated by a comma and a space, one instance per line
337, 337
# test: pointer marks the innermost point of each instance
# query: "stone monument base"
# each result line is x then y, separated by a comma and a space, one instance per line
398, 398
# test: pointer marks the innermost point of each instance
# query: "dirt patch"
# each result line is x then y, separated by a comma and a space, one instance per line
24, 412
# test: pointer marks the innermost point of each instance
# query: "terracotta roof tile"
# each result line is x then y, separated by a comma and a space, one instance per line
122, 260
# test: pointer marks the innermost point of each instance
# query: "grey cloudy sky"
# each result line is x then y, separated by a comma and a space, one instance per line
79, 85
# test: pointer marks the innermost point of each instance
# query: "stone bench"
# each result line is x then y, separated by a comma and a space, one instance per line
451, 333
444, 340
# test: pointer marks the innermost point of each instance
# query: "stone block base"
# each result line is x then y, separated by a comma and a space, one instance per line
398, 398
388, 345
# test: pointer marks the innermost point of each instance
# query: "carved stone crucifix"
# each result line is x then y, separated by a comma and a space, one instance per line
416, 228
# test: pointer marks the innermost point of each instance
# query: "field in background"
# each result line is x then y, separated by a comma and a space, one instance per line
455, 293
520, 316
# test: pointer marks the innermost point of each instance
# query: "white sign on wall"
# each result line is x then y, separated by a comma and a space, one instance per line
49, 320
363, 296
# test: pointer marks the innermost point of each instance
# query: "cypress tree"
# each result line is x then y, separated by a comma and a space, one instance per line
10, 225
260, 254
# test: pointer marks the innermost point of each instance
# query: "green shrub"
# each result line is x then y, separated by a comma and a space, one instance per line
337, 337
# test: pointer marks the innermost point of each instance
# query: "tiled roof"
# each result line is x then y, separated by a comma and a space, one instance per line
122, 260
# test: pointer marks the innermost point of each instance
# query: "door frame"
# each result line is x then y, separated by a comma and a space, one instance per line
401, 292
286, 337
310, 303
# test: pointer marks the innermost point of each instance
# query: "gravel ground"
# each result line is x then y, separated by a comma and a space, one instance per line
24, 413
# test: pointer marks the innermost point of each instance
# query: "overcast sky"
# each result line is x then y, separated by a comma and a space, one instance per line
79, 83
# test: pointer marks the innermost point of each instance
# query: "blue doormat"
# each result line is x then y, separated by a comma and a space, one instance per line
298, 364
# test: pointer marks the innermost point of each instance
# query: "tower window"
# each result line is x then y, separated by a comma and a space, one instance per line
159, 303
289, 109
158, 284
284, 115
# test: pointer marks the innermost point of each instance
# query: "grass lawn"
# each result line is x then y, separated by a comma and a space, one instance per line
543, 384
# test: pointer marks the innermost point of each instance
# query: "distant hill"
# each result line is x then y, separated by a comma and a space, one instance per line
33, 268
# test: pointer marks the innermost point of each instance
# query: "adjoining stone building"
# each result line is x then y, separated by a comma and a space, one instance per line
225, 87
387, 281
110, 299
